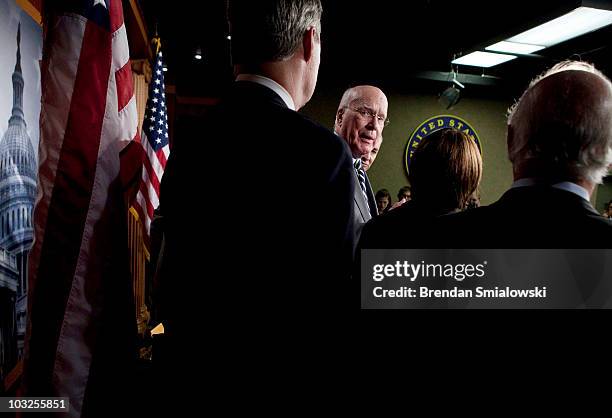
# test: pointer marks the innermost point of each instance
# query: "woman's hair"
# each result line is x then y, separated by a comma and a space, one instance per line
445, 170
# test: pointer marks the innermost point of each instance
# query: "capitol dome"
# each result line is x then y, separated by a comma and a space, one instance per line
17, 156
18, 173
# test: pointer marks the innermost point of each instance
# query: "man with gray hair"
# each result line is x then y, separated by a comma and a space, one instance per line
287, 242
560, 146
360, 120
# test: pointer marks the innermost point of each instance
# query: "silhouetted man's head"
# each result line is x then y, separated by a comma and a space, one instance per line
561, 128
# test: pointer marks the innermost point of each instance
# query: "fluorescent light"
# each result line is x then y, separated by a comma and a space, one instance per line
575, 23
514, 47
483, 59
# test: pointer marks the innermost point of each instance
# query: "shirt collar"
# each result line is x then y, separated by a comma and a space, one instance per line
564, 185
271, 84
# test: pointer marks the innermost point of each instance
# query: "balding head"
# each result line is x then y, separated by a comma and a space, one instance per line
354, 120
357, 93
561, 128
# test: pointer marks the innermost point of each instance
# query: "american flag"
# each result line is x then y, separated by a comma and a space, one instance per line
81, 325
156, 145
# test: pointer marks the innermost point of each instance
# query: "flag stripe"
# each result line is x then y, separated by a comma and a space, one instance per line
140, 199
166, 151
67, 211
152, 157
128, 121
152, 187
149, 176
161, 156
125, 88
121, 50
149, 192
56, 98
116, 15
148, 205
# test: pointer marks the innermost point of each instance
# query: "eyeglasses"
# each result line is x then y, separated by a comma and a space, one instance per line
368, 114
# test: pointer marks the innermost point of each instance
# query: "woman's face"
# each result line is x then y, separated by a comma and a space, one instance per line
382, 203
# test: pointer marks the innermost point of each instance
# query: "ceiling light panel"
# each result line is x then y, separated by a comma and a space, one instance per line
575, 23
514, 48
483, 59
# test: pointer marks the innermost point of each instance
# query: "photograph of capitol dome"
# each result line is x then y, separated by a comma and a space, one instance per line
20, 45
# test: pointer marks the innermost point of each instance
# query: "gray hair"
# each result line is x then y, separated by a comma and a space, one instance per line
271, 30
567, 128
347, 98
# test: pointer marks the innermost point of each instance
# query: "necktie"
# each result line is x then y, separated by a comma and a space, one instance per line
362, 179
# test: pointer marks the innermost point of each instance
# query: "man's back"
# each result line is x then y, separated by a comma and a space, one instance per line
529, 217
284, 236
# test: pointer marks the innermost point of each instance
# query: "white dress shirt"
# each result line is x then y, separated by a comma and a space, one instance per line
568, 186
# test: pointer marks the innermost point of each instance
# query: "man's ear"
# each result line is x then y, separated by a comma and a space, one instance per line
308, 43
339, 116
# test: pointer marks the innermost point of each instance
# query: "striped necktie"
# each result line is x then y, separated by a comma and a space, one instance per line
362, 179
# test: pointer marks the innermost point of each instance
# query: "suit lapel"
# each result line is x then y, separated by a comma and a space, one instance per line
371, 198
589, 208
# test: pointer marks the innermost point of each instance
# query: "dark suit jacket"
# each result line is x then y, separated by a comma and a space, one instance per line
529, 217
258, 210
408, 226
